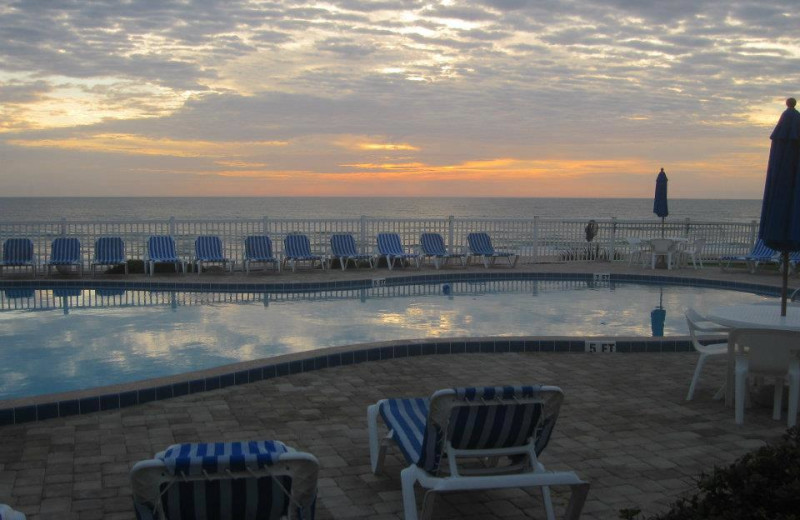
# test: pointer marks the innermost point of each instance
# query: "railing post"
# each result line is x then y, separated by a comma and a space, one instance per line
363, 233
535, 254
63, 226
172, 226
265, 225
688, 225
613, 246
753, 232
450, 233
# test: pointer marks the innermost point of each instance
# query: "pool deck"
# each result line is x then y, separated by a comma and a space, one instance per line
624, 425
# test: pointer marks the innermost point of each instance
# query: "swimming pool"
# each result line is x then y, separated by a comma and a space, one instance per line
69, 338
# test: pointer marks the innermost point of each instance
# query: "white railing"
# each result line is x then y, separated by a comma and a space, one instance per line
535, 240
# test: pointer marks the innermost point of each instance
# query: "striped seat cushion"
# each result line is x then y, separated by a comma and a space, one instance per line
18, 251
245, 498
109, 250
298, 247
65, 251
209, 248
161, 248
258, 247
389, 244
481, 244
480, 418
433, 244
344, 245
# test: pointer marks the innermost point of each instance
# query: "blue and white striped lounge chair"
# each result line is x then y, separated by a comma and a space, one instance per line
161, 250
258, 249
18, 252
480, 245
437, 434
251, 480
390, 247
7, 513
433, 247
297, 248
208, 250
343, 248
65, 252
760, 254
109, 251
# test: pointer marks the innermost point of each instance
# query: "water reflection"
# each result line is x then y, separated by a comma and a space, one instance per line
69, 338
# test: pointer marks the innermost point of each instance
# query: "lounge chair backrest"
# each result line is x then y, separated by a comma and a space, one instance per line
761, 249
480, 244
251, 480
109, 250
343, 245
432, 244
257, 246
65, 250
161, 246
297, 246
389, 244
17, 251
208, 246
489, 417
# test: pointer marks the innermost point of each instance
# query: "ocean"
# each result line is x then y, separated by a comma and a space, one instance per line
14, 209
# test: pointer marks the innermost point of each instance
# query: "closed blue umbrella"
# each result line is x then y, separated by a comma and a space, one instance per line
780, 210
660, 200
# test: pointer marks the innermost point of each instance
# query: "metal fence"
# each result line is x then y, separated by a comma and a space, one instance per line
535, 240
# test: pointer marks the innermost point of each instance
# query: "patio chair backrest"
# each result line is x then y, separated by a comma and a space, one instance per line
17, 251
480, 244
432, 244
109, 250
489, 417
208, 246
161, 246
662, 245
251, 480
343, 244
65, 249
768, 351
389, 244
297, 246
257, 246
760, 249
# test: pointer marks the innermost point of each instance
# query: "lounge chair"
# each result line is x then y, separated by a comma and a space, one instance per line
252, 480
705, 336
18, 252
432, 246
761, 253
109, 251
297, 248
258, 249
7, 513
390, 247
343, 248
208, 250
65, 252
438, 435
161, 250
480, 245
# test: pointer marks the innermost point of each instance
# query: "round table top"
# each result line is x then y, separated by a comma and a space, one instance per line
756, 316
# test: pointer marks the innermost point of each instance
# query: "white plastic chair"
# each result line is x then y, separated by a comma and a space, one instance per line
637, 249
661, 247
769, 353
694, 251
701, 329
7, 513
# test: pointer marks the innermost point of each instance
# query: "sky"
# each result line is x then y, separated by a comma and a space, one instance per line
496, 98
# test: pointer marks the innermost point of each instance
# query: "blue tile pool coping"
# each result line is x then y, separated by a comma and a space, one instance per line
45, 407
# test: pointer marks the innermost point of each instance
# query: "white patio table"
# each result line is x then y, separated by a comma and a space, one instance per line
752, 316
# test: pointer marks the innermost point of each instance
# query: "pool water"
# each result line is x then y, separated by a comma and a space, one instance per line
55, 340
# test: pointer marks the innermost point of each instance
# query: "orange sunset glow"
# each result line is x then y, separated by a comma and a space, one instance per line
503, 98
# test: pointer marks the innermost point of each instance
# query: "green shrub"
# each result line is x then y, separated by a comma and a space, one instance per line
762, 485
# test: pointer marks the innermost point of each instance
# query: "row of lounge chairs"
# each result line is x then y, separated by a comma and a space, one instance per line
110, 251
760, 254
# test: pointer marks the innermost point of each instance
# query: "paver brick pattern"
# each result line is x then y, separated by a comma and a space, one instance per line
624, 426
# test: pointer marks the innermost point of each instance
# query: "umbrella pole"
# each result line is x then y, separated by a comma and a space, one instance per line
662, 227
785, 284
